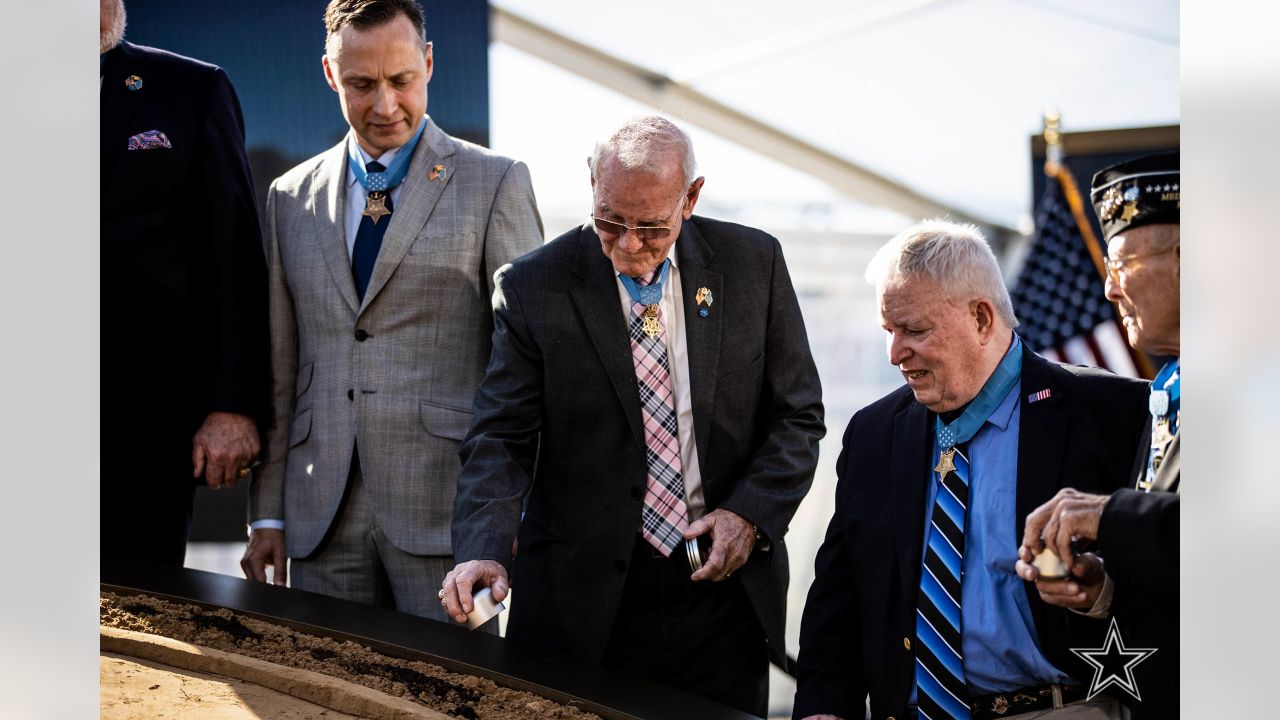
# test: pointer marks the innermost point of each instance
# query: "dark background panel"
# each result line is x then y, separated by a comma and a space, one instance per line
272, 51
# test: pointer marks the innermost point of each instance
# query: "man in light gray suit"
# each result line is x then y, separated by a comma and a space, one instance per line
381, 253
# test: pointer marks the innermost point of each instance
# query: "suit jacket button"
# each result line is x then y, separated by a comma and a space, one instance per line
621, 565
362, 335
351, 394
906, 643
636, 493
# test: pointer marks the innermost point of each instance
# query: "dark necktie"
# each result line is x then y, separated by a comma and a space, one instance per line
368, 241
941, 691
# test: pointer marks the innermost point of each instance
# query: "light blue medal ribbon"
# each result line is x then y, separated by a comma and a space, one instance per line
963, 428
1166, 394
650, 294
394, 174
1164, 402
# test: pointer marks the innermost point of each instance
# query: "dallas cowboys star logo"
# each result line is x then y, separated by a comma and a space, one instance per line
1113, 663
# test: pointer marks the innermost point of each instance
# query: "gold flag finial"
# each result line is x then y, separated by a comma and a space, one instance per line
1052, 137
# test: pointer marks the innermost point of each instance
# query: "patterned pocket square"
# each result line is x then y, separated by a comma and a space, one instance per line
150, 140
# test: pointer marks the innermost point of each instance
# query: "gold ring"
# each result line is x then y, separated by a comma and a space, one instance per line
440, 594
243, 472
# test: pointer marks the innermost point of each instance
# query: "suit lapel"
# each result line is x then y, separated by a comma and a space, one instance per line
909, 479
330, 217
702, 335
1042, 438
597, 302
417, 200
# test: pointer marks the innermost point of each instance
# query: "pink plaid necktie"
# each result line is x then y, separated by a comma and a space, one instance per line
665, 516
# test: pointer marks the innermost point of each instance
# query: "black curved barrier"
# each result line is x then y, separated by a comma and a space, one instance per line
610, 695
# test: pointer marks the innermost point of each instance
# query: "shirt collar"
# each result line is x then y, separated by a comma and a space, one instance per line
1004, 411
385, 159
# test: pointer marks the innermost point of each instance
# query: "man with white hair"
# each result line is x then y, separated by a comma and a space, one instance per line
915, 601
651, 383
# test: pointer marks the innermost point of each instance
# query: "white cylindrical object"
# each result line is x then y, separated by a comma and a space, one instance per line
483, 608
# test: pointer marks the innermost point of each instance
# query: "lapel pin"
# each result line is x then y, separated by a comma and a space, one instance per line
133, 82
438, 173
1038, 396
704, 299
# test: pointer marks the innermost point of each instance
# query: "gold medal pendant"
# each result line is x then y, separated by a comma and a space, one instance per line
651, 327
945, 465
376, 206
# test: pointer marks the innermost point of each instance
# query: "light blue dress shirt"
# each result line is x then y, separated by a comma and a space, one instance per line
999, 642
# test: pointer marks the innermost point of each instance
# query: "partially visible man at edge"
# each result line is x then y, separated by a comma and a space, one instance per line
184, 294
1131, 570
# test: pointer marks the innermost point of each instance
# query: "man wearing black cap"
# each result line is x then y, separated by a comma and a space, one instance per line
1131, 571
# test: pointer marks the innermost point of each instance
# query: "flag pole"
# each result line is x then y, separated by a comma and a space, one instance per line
1055, 168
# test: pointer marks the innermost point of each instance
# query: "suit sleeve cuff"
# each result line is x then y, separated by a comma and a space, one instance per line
1101, 609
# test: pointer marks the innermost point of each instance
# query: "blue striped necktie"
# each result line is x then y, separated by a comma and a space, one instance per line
940, 686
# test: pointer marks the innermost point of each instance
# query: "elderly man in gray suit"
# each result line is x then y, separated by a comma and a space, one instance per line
651, 382
381, 253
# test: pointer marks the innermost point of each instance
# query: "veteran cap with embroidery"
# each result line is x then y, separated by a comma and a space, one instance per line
1142, 191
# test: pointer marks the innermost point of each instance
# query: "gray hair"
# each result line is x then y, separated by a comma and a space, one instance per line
954, 255
644, 142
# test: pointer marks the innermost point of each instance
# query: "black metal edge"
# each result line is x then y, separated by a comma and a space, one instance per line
611, 695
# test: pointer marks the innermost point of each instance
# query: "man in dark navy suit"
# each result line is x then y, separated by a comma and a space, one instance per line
915, 602
184, 315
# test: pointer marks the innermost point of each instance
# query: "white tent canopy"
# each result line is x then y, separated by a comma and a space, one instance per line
937, 97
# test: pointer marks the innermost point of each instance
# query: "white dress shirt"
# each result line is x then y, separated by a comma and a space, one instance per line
672, 312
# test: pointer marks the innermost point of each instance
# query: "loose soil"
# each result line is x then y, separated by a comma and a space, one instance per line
460, 696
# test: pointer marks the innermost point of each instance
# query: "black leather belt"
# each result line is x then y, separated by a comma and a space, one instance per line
1024, 700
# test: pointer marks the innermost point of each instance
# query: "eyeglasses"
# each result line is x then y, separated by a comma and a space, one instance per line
1115, 266
644, 232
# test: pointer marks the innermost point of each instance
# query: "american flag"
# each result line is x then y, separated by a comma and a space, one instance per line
1058, 294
